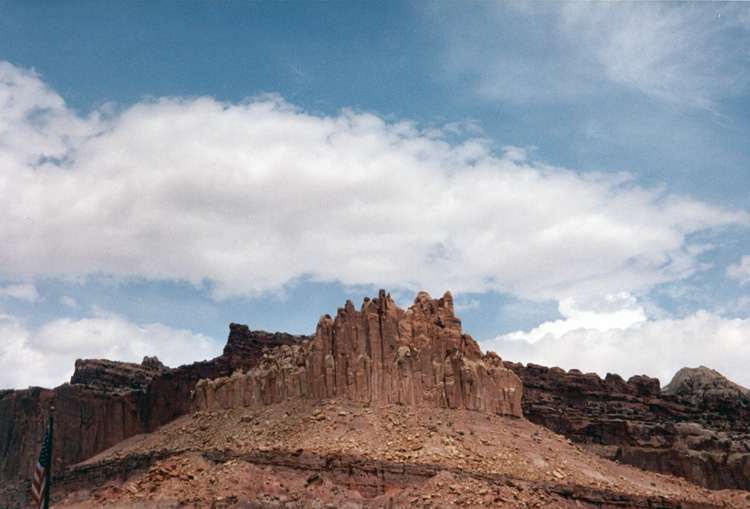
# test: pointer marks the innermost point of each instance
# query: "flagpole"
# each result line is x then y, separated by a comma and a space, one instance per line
49, 466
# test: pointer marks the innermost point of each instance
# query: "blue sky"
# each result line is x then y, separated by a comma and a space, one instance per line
576, 174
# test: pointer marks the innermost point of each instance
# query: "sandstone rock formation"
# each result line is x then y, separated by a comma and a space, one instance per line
115, 377
709, 390
378, 354
697, 428
107, 402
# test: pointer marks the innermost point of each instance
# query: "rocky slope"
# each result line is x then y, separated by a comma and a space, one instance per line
697, 428
337, 453
379, 354
107, 402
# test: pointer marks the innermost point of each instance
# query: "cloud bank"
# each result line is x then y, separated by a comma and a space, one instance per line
658, 348
252, 197
46, 356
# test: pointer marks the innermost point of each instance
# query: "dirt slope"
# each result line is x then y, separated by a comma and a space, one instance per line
338, 454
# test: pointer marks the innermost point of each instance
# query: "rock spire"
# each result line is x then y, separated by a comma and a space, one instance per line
381, 354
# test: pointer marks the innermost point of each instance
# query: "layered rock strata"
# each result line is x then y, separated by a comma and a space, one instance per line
107, 402
115, 377
381, 354
696, 428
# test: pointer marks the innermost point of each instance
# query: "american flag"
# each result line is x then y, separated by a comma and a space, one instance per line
39, 483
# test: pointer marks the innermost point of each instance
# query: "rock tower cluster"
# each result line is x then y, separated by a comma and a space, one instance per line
380, 354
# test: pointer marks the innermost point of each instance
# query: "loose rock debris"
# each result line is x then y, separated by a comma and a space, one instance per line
339, 454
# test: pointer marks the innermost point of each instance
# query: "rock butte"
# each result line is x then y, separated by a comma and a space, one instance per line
418, 360
380, 354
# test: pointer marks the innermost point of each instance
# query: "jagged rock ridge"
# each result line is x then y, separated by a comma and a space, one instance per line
378, 354
680, 430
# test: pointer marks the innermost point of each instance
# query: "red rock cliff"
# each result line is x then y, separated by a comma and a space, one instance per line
382, 354
109, 401
696, 428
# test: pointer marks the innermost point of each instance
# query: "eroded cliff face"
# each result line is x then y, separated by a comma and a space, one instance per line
696, 428
382, 354
109, 401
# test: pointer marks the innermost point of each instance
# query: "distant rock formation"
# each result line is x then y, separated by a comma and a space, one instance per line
708, 389
106, 402
696, 428
378, 354
115, 377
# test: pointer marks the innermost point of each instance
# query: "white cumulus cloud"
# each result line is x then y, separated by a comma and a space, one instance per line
251, 197
601, 313
658, 348
46, 356
23, 291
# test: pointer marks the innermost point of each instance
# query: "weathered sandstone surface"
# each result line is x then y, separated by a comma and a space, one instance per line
696, 428
107, 402
381, 354
710, 392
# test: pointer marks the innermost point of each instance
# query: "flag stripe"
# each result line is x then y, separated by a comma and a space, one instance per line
39, 481
37, 492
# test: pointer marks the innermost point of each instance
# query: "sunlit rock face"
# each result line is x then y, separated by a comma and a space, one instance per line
381, 354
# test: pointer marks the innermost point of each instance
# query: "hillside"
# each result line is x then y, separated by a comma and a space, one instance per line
335, 453
380, 406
